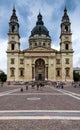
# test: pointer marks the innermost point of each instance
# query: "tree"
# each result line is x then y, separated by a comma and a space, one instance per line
3, 77
76, 76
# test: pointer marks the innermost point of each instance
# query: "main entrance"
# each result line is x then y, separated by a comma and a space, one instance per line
40, 69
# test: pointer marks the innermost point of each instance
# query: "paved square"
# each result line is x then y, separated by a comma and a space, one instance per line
48, 108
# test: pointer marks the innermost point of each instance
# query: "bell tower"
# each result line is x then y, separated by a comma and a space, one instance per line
13, 48
13, 34
66, 50
65, 37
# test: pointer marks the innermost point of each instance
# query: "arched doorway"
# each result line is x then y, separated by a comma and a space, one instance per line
40, 69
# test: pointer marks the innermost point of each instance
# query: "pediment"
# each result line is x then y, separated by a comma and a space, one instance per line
39, 49
43, 49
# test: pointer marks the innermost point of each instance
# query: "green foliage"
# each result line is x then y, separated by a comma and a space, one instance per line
76, 76
3, 77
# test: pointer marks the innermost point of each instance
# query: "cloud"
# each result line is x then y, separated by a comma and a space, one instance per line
56, 46
75, 26
24, 43
3, 22
3, 55
76, 55
52, 12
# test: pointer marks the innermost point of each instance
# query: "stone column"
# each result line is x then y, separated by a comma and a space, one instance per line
33, 71
46, 72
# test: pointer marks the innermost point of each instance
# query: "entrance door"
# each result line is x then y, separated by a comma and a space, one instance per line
40, 69
39, 76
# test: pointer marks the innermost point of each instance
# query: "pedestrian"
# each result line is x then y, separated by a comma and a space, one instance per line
41, 85
21, 89
37, 86
26, 87
57, 85
62, 86
33, 86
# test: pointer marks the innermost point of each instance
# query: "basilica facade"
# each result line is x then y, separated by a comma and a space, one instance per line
39, 61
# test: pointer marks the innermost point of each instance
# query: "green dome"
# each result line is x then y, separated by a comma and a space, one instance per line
39, 28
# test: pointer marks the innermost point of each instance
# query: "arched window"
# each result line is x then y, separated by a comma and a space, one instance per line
12, 60
13, 28
21, 71
67, 71
43, 44
35, 44
66, 28
12, 46
58, 71
67, 61
12, 70
21, 61
66, 47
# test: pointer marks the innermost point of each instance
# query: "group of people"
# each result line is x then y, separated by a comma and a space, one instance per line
59, 85
39, 86
75, 84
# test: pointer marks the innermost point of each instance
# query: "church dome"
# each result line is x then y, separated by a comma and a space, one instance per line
39, 28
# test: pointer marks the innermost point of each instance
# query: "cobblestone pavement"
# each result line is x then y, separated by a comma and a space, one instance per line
46, 98
39, 125
50, 99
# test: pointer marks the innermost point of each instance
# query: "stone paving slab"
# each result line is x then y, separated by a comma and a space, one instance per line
41, 113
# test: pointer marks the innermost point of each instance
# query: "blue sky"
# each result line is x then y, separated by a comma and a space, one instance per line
52, 12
